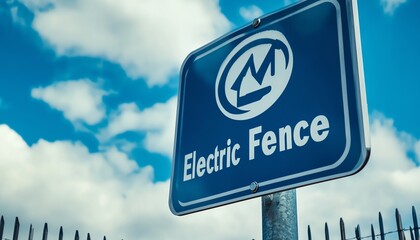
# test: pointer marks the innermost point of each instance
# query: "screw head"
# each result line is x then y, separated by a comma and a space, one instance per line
256, 23
254, 187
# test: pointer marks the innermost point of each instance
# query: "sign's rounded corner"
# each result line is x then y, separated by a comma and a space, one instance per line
172, 208
192, 56
363, 160
185, 65
365, 156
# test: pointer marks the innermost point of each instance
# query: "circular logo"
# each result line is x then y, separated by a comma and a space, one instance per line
254, 75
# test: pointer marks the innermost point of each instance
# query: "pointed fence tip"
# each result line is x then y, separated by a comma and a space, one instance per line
416, 224
309, 233
411, 233
45, 232
400, 229
357, 231
342, 229
60, 233
372, 231
327, 231
16, 229
414, 214
76, 236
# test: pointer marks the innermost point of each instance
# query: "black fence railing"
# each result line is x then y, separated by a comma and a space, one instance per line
31, 232
412, 231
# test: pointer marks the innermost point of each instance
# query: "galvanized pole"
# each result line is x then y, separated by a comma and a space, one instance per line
279, 216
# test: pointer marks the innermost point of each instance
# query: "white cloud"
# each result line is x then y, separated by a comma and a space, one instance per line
103, 193
107, 193
158, 122
79, 100
149, 38
390, 5
250, 13
389, 180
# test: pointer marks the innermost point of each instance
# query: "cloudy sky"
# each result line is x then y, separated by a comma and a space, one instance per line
88, 95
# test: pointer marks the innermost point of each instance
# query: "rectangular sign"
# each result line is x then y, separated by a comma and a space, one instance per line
275, 105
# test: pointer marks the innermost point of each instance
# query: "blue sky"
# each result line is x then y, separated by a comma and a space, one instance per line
88, 102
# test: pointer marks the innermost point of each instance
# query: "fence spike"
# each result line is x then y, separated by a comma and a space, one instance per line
16, 229
327, 232
1, 227
416, 224
381, 226
309, 233
372, 232
45, 232
358, 234
411, 233
60, 234
31, 232
342, 229
399, 225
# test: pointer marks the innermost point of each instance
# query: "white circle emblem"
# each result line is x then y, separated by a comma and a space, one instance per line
254, 75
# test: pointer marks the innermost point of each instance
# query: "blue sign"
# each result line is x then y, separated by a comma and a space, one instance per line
275, 105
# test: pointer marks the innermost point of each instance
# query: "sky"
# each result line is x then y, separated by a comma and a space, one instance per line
88, 96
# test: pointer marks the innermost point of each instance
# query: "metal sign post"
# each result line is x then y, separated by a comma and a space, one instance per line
279, 216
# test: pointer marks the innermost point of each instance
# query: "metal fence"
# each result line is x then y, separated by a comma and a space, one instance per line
31, 232
413, 231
